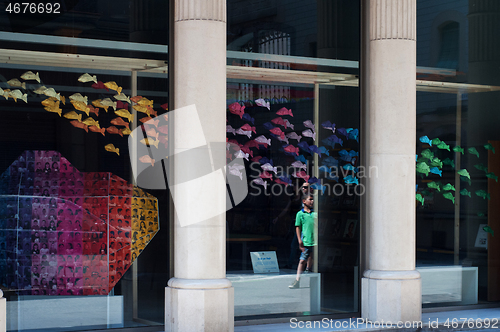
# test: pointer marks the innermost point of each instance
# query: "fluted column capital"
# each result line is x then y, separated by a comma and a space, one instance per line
393, 19
207, 10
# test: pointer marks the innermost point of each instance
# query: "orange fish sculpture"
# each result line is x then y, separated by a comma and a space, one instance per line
119, 122
114, 130
78, 124
147, 160
96, 129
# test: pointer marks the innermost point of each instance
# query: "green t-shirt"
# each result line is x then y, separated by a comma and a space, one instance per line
305, 221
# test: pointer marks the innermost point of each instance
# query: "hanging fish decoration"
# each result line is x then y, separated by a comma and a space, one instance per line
113, 86
329, 125
489, 147
247, 117
111, 148
288, 124
77, 124
81, 106
236, 108
483, 194
79, 97
119, 122
458, 149
50, 92
309, 133
247, 127
40, 90
261, 182
150, 142
309, 124
87, 78
99, 85
450, 196
96, 129
16, 83
17, 94
293, 135
284, 111
114, 130
262, 103
91, 122
122, 97
29, 76
73, 116
291, 149
144, 102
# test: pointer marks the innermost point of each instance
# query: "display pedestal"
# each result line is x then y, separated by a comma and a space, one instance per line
37, 312
261, 294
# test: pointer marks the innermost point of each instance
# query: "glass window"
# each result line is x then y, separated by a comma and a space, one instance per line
79, 240
293, 110
457, 166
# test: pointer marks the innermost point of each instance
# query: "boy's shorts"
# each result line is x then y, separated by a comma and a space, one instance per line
306, 253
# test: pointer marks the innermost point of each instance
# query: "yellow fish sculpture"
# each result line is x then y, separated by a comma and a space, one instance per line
54, 109
73, 116
111, 148
113, 86
125, 114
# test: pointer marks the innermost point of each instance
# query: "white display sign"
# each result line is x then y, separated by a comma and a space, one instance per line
264, 262
481, 237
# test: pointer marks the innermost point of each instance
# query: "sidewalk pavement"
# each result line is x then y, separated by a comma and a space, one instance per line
486, 320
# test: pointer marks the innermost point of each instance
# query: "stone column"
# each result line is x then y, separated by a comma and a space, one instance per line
3, 313
199, 297
391, 287
480, 128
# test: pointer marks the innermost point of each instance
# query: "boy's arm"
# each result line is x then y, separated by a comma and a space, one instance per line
298, 230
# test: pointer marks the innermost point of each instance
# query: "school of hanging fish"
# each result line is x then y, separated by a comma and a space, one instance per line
283, 129
80, 111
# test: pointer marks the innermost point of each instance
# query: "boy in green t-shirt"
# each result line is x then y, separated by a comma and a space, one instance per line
304, 225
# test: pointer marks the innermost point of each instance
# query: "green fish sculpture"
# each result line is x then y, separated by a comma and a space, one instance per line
458, 149
492, 175
426, 192
450, 196
450, 162
436, 141
443, 146
436, 162
448, 187
463, 178
489, 147
481, 167
434, 185
483, 194
423, 168
473, 151
463, 172
427, 154
419, 198
465, 192
488, 229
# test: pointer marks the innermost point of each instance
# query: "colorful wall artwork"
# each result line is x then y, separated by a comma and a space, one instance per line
66, 232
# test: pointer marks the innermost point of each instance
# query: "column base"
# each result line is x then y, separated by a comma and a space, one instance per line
199, 305
391, 296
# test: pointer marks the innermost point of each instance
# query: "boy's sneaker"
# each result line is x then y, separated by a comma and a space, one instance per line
295, 284
307, 271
